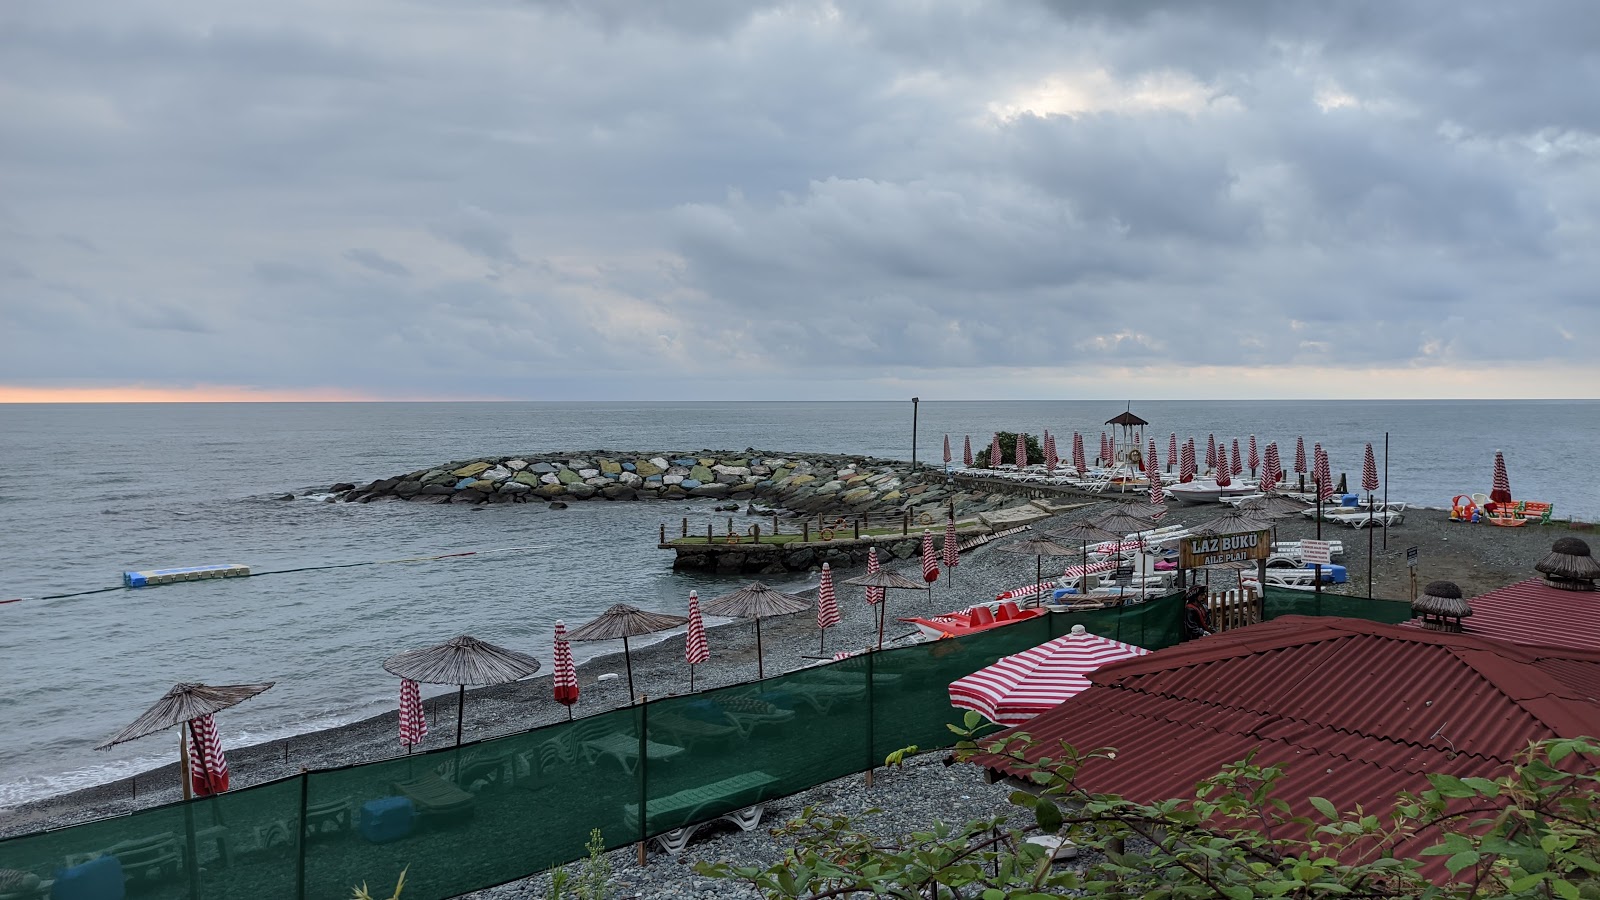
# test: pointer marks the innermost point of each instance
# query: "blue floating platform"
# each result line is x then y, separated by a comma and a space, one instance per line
185, 573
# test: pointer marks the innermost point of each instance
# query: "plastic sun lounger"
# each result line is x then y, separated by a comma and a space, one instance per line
743, 791
435, 797
691, 731
625, 750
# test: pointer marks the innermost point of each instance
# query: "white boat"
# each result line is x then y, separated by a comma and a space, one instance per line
1201, 491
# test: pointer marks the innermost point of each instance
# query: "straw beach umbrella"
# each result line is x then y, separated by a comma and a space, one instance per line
882, 580
1501, 492
695, 648
753, 601
1038, 548
624, 621
966, 451
461, 661
565, 687
1085, 533
185, 705
827, 606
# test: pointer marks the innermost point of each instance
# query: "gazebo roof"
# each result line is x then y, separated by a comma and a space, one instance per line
1126, 418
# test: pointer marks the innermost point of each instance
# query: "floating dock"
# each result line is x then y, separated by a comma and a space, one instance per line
185, 573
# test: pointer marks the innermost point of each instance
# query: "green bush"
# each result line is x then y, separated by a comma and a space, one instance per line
1008, 450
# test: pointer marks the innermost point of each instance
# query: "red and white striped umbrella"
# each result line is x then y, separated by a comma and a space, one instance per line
1049, 451
1501, 492
874, 594
1019, 687
952, 552
966, 452
695, 648
947, 456
1300, 455
1021, 456
1255, 458
994, 451
566, 674
1079, 460
1222, 472
1211, 451
930, 560
827, 603
1158, 497
208, 768
1238, 459
1105, 448
1186, 469
1273, 472
1172, 451
1369, 471
413, 723
1322, 476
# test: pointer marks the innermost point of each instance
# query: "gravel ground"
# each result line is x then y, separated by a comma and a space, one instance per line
1479, 558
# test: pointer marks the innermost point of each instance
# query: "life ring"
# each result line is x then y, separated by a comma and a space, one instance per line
827, 534
840, 522
1135, 459
733, 538
927, 519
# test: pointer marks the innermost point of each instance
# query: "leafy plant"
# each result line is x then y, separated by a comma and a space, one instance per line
1533, 833
1008, 450
593, 880
361, 893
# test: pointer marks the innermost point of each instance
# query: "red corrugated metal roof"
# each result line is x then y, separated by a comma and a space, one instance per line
1355, 711
1532, 612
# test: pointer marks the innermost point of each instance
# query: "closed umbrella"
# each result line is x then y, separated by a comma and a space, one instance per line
874, 594
1369, 483
1300, 460
1222, 472
1211, 451
1021, 455
882, 580
1079, 460
1019, 687
566, 674
952, 553
930, 562
947, 456
1237, 465
1050, 459
753, 601
827, 606
695, 648
1501, 492
994, 451
1158, 497
624, 621
1105, 449
1255, 458
966, 451
1272, 471
1038, 548
1172, 451
208, 767
461, 661
1322, 476
186, 705
413, 722
1187, 468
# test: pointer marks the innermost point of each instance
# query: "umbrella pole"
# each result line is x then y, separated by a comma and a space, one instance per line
881, 604
760, 670
627, 660
461, 709
183, 758
1369, 543
1038, 579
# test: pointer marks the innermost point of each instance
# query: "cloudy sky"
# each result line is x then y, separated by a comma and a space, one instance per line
611, 199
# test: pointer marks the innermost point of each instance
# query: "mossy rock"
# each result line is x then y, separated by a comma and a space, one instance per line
471, 469
646, 468
567, 476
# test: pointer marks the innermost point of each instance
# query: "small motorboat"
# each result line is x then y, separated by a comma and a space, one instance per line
1197, 492
972, 620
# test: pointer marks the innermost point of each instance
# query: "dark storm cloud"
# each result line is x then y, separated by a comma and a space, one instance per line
528, 198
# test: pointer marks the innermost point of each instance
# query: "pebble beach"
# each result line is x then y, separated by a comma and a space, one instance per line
1477, 557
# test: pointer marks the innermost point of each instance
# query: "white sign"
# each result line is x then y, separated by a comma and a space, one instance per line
1315, 552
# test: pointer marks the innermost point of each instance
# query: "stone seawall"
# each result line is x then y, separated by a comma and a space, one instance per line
800, 484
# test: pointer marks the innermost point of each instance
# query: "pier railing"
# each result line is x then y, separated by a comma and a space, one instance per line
493, 811
775, 529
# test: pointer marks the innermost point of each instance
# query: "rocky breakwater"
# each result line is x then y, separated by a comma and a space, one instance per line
799, 484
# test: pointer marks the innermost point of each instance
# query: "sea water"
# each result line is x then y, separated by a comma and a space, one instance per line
91, 491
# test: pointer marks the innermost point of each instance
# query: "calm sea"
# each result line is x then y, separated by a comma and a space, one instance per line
91, 491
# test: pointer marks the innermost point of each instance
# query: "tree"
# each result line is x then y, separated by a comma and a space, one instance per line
1008, 450
1533, 833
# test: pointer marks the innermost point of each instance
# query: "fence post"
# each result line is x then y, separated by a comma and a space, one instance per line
300, 840
905, 523
708, 531
685, 526
805, 531
871, 713
858, 528
663, 532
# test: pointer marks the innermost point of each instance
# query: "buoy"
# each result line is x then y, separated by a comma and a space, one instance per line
184, 573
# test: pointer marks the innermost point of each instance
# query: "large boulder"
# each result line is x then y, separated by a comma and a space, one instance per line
514, 487
550, 490
408, 488
610, 467
709, 490
680, 471
568, 476
702, 474
588, 472
689, 484
646, 468
619, 492
581, 491
542, 468
516, 465
672, 479
527, 478
471, 469
495, 473
659, 462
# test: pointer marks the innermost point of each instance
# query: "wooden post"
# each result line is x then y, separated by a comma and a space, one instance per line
708, 531
685, 526
663, 532
858, 528
905, 523
805, 533
755, 534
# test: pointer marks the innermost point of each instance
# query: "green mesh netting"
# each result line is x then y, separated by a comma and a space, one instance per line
493, 811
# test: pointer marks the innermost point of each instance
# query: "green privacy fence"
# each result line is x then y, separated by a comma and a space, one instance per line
497, 810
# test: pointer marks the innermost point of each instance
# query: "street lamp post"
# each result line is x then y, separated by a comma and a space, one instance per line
914, 402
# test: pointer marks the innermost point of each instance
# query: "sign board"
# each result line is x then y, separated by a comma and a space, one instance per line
1316, 552
1411, 557
1215, 549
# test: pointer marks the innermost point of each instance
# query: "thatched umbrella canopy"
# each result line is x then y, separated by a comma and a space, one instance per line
1231, 522
176, 707
1084, 533
1569, 566
1272, 506
884, 579
624, 621
1038, 548
182, 703
753, 601
1125, 518
1440, 603
461, 661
